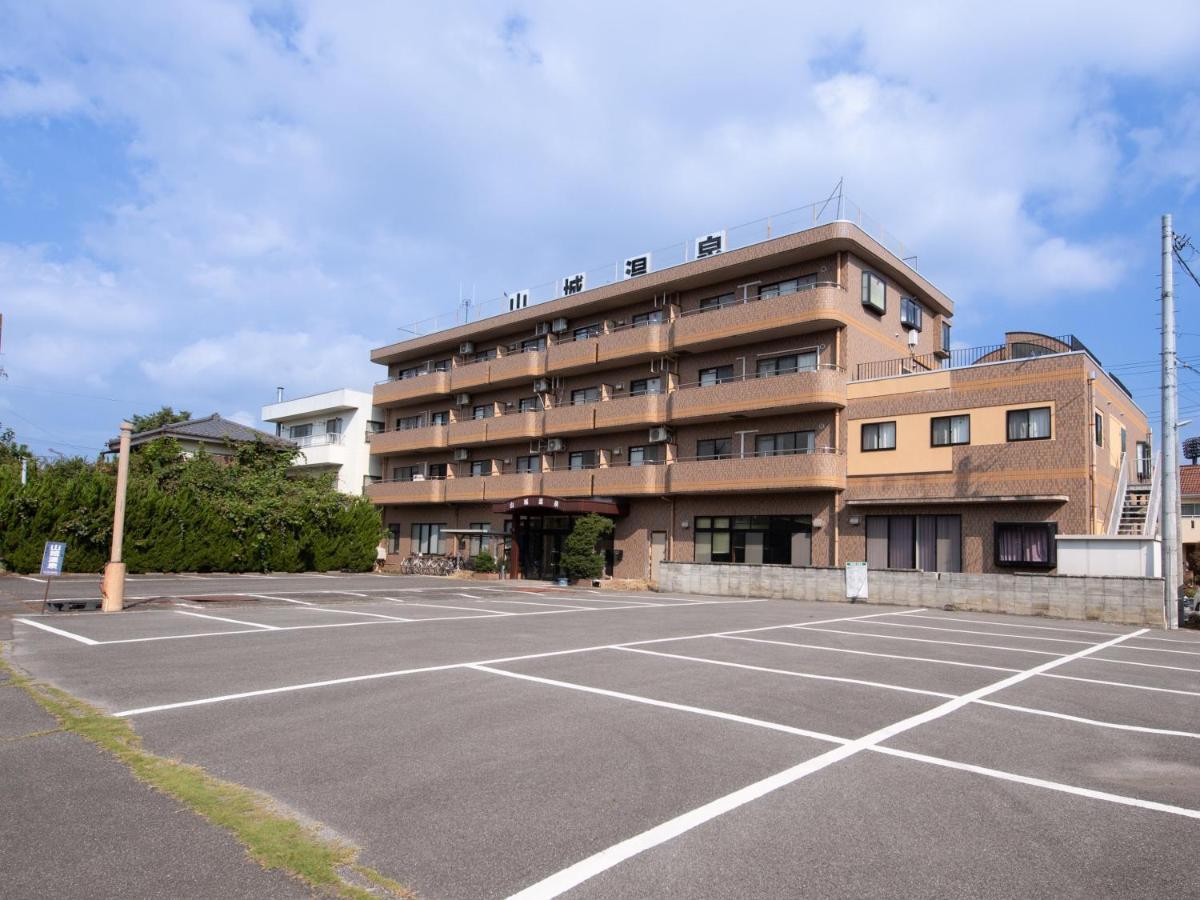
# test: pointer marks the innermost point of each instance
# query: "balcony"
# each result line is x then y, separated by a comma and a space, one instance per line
629, 412
568, 482
470, 376
820, 471
432, 437
406, 491
515, 426
464, 490
505, 487
821, 388
633, 344
401, 390
571, 356
517, 367
570, 419
468, 431
626, 480
814, 308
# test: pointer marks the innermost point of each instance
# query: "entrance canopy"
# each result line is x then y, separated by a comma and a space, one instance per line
536, 504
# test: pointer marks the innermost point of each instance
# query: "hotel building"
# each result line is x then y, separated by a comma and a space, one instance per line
795, 402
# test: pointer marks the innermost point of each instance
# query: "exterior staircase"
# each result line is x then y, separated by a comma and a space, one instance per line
1134, 510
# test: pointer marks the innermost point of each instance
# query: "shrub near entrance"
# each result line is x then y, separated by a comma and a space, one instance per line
580, 558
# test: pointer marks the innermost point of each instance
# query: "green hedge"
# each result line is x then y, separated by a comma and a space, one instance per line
198, 514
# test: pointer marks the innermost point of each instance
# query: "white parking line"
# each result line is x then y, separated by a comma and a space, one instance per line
355, 612
1161, 650
1023, 637
1124, 684
274, 597
31, 578
965, 621
60, 632
181, 612
554, 605
897, 637
1144, 729
943, 662
471, 609
1130, 662
469, 596
574, 875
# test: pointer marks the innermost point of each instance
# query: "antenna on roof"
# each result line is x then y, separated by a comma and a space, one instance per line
837, 192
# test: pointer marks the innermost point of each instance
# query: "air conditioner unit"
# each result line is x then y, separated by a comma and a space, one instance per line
462, 454
466, 348
660, 435
555, 445
463, 399
541, 386
558, 326
541, 328
619, 386
418, 477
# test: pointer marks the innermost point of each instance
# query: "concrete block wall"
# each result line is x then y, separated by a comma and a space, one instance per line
1119, 601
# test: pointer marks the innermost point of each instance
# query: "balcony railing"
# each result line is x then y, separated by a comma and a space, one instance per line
820, 469
325, 439
810, 307
822, 387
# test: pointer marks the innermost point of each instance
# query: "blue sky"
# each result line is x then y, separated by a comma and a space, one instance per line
201, 201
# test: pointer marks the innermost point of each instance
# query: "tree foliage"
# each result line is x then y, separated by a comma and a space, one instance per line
188, 514
9, 448
580, 558
164, 416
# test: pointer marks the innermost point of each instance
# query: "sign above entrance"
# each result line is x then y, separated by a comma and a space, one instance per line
537, 504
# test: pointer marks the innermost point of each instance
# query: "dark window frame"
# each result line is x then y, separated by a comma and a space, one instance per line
862, 437
714, 454
1051, 529
868, 278
951, 442
1008, 417
912, 313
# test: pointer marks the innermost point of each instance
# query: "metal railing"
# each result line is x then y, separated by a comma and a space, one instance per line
754, 376
1118, 499
1154, 504
328, 438
756, 297
836, 208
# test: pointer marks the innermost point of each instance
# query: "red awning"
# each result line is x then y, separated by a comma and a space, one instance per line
536, 504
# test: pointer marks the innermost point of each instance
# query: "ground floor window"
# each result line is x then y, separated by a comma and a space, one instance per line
929, 543
427, 537
1026, 544
770, 540
477, 542
394, 532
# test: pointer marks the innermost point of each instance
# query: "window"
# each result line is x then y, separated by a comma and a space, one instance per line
530, 404
1143, 460
426, 537
475, 542
582, 459
879, 436
715, 375
1098, 419
585, 395
410, 372
405, 473
1026, 544
529, 465
647, 318
929, 543
645, 456
717, 302
374, 426
333, 426
1124, 441
530, 345
643, 386
874, 293
408, 423
1029, 424
714, 448
481, 468
299, 431
587, 331
484, 355
786, 444
441, 365
787, 287
436, 471
394, 532
441, 417
912, 314
760, 540
948, 431
485, 411
946, 336
1190, 509
786, 365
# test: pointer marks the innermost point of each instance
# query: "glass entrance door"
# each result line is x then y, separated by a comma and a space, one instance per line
540, 539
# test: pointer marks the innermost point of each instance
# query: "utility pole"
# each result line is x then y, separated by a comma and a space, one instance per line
113, 586
1170, 435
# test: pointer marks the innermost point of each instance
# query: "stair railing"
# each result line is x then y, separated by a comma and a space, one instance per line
1150, 528
1116, 503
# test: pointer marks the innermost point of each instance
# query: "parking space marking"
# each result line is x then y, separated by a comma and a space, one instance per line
1130, 662
574, 875
553, 605
1162, 650
1119, 726
469, 596
734, 665
472, 609
273, 597
59, 631
1124, 684
1023, 637
897, 637
31, 578
926, 659
965, 621
355, 612
181, 612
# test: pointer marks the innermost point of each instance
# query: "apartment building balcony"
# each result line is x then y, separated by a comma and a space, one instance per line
466, 489
517, 367
432, 491
817, 471
512, 484
627, 480
467, 432
409, 440
401, 390
629, 344
629, 412
820, 388
470, 376
567, 356
515, 426
814, 308
570, 419
568, 482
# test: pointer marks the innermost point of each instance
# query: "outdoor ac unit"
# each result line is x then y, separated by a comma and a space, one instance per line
466, 347
418, 477
559, 326
660, 435
541, 386
554, 445
463, 399
541, 328
462, 454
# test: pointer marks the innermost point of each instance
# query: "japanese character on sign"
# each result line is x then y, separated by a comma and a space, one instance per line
637, 265
53, 556
518, 300
710, 244
574, 284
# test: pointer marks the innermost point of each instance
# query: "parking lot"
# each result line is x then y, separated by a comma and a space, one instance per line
490, 739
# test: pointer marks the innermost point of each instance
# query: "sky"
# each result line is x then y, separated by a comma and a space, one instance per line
201, 201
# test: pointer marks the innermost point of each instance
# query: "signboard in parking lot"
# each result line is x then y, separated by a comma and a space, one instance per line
856, 581
53, 557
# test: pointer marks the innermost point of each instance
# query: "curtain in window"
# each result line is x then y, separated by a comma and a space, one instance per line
960, 429
949, 544
1039, 423
1010, 544
877, 542
927, 543
1036, 544
900, 543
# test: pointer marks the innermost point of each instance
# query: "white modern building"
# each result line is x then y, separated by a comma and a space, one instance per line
333, 432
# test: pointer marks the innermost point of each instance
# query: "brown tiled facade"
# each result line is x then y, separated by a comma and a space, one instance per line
617, 395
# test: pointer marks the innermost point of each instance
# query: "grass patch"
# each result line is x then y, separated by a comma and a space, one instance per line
271, 838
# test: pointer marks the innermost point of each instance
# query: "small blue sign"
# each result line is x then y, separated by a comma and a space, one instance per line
53, 558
